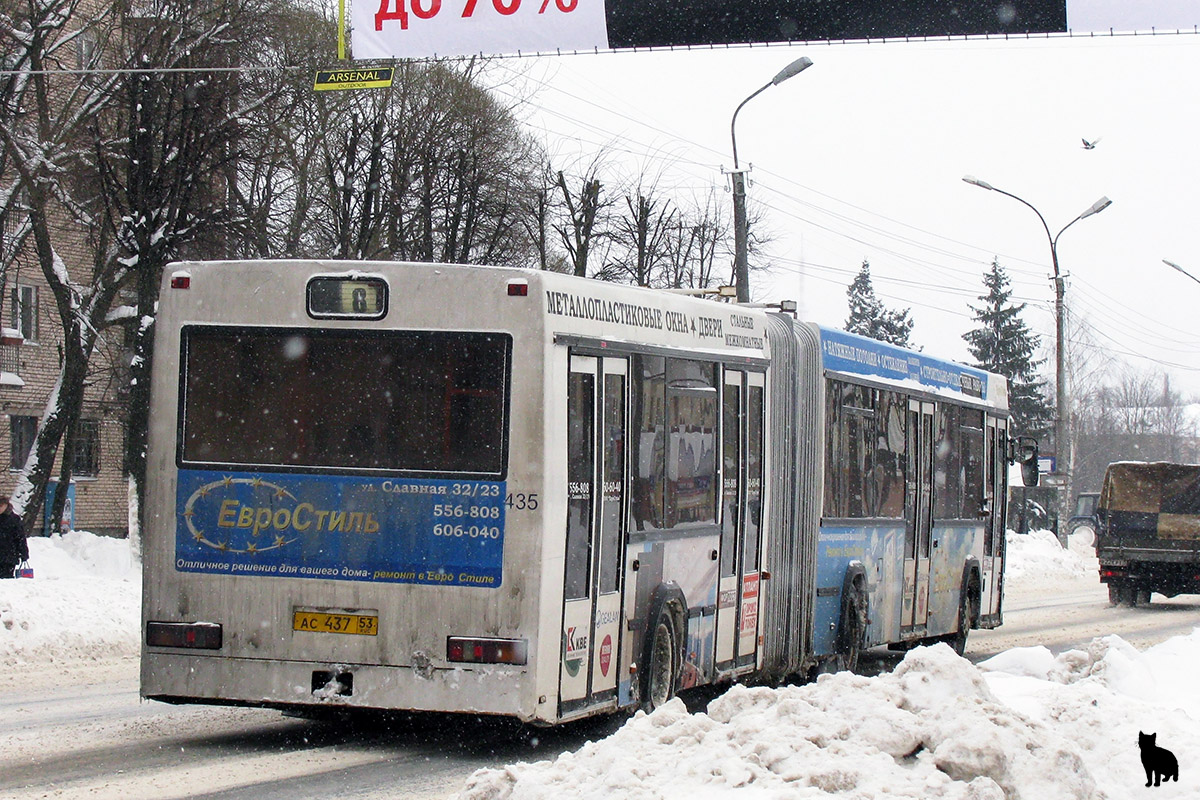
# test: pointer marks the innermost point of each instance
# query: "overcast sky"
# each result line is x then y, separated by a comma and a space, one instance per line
862, 157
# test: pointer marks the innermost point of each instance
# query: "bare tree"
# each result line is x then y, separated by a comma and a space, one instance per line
641, 236
167, 151
582, 224
1135, 417
694, 252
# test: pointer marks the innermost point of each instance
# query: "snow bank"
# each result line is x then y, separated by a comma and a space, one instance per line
1023, 726
83, 604
931, 729
1038, 557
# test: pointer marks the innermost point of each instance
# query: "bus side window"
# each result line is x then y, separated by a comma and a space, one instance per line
947, 477
972, 464
849, 451
889, 454
691, 494
647, 441
580, 477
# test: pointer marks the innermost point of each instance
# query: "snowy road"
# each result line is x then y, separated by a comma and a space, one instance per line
81, 731
98, 740
1065, 614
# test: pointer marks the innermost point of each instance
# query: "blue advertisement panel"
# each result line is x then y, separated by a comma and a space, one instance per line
393, 530
847, 352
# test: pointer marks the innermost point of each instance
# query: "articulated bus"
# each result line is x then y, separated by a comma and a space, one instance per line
511, 492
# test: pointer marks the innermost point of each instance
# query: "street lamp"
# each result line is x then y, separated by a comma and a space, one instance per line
1061, 433
740, 226
1178, 268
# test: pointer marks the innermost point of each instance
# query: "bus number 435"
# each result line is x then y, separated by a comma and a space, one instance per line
521, 501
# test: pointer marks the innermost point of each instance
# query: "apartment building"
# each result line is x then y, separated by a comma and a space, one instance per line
30, 357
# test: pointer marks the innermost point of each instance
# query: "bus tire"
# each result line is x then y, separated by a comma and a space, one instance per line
662, 662
958, 639
967, 606
852, 627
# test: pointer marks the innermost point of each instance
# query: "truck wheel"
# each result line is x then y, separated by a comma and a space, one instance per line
1115, 594
1141, 597
662, 674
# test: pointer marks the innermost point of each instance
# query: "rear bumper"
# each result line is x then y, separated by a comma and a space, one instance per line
192, 678
1165, 577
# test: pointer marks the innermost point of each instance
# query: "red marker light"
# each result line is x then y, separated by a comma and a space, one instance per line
181, 281
518, 289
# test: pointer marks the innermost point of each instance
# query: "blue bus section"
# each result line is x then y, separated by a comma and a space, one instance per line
390, 530
880, 549
858, 355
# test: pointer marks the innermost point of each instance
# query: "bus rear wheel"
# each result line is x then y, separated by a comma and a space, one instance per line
852, 630
662, 674
958, 640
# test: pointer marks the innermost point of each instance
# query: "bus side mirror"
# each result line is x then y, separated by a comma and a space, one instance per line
1023, 450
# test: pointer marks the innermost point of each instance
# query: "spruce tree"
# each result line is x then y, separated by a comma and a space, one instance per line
1004, 344
869, 317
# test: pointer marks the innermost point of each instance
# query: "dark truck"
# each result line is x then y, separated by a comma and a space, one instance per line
1149, 534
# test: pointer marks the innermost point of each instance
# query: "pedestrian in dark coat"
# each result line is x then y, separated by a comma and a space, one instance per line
13, 547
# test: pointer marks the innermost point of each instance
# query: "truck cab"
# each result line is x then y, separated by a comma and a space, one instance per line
1083, 520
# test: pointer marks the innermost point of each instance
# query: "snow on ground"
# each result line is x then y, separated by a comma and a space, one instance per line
83, 604
1022, 725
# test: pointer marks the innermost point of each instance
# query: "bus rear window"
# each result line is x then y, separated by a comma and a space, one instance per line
417, 402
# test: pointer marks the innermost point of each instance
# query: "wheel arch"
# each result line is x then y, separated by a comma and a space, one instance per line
668, 597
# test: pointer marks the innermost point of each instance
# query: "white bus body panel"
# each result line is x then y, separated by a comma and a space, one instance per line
262, 659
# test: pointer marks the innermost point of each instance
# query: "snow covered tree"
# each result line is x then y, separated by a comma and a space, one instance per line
1003, 343
47, 148
166, 153
868, 315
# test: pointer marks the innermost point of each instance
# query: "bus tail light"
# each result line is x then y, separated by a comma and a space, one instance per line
197, 635
486, 651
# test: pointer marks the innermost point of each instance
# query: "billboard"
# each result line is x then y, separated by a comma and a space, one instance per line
422, 28
389, 530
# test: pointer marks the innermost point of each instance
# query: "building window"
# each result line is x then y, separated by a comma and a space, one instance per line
25, 311
22, 431
87, 449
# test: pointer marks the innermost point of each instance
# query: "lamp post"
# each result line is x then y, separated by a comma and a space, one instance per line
1178, 268
741, 228
1061, 418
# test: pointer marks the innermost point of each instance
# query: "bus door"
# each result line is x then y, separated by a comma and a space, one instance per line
918, 515
596, 436
996, 489
739, 573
